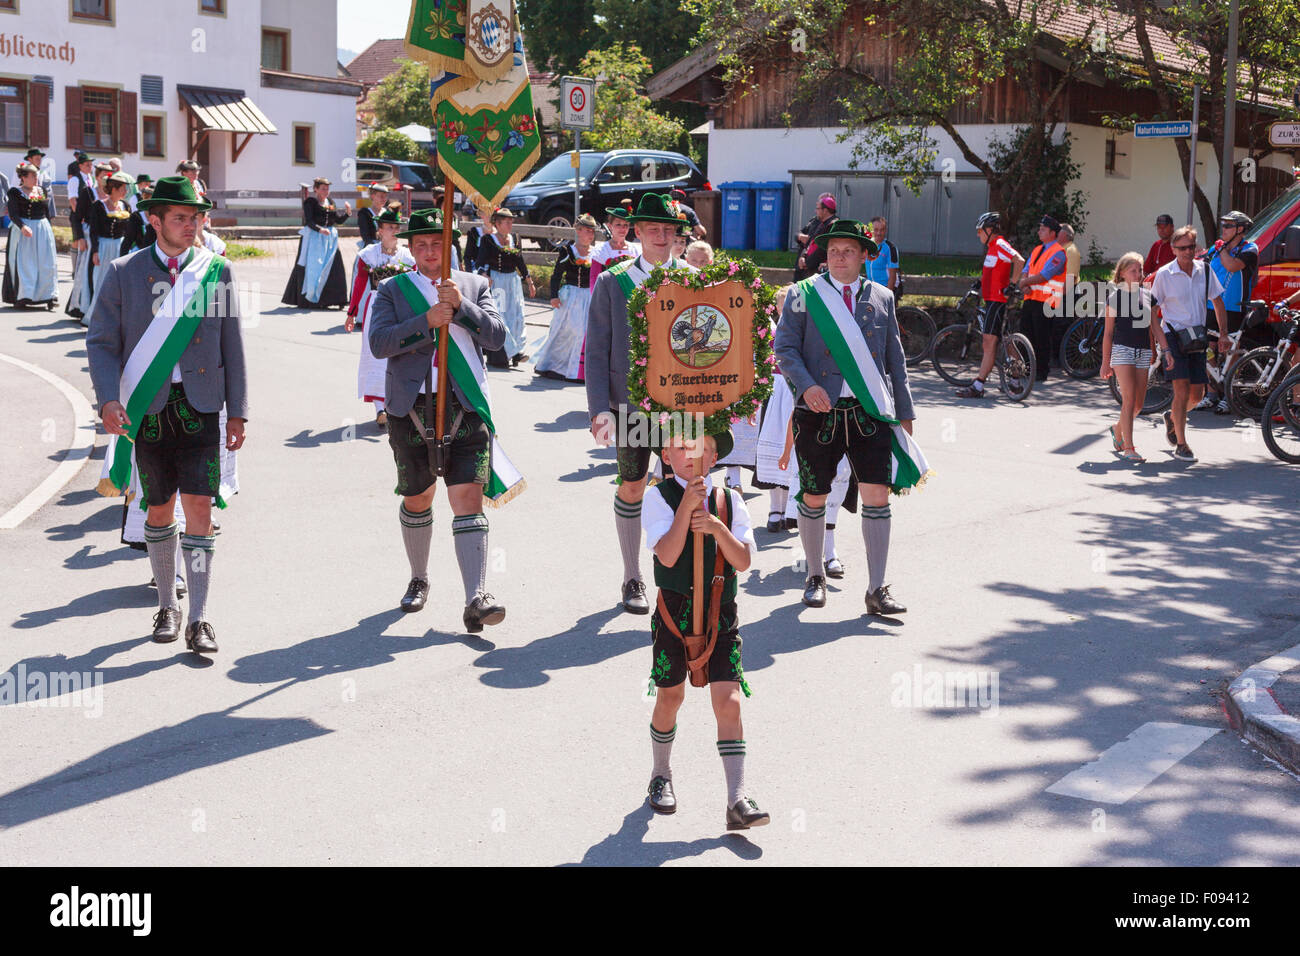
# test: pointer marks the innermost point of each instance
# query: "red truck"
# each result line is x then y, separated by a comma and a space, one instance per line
1277, 233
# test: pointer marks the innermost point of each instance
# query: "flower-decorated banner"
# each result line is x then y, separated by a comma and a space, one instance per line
486, 134
701, 335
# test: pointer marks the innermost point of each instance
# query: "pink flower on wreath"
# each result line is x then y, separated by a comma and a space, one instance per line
757, 283
733, 268
641, 337
640, 361
735, 419
763, 381
645, 403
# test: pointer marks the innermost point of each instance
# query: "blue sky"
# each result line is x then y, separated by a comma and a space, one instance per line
362, 22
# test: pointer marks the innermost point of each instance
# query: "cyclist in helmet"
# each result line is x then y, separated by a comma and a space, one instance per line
1235, 262
1002, 266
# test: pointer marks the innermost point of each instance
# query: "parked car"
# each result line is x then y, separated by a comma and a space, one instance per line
606, 177
399, 172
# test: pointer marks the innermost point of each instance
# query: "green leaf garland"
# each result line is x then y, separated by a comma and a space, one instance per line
722, 269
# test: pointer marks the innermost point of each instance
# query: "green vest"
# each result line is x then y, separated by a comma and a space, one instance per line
680, 576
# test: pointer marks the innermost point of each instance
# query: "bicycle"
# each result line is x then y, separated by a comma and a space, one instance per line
1252, 378
958, 350
917, 330
1081, 347
1280, 422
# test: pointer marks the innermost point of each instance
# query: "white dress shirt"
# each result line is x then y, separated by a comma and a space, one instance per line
1181, 296
657, 517
854, 288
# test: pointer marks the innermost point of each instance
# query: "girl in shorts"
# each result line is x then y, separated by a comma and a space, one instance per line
1128, 346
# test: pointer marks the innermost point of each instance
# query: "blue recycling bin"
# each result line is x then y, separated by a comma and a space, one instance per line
772, 220
737, 215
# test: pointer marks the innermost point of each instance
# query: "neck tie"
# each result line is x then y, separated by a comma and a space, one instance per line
848, 300
173, 266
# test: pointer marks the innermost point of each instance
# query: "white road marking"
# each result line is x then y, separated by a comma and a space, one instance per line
81, 445
1124, 769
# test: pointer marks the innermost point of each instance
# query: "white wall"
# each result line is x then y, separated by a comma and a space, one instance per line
1121, 209
186, 47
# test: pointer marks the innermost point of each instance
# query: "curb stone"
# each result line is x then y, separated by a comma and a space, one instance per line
1254, 712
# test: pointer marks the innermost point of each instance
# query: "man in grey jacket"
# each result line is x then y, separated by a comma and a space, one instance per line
177, 440
403, 334
829, 422
607, 363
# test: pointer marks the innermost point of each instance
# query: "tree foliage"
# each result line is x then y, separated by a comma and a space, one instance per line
1050, 193
559, 33
390, 144
624, 118
402, 97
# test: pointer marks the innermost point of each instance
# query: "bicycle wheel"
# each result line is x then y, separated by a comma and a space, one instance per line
1159, 396
917, 330
1251, 380
1081, 349
1283, 437
1016, 367
957, 353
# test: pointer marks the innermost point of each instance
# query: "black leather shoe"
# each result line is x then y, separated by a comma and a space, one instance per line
662, 798
484, 609
791, 524
814, 592
880, 601
634, 601
517, 358
775, 523
745, 814
167, 625
835, 568
417, 593
200, 638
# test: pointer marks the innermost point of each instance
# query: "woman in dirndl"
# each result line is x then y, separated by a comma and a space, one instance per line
31, 274
378, 261
561, 354
502, 261
318, 280
79, 298
114, 230
611, 252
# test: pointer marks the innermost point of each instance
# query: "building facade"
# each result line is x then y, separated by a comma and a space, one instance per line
250, 88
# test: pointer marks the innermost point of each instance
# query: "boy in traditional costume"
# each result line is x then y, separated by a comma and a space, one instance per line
607, 360
688, 502
162, 366
839, 350
409, 312
376, 262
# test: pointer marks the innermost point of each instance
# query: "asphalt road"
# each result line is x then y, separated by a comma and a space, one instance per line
1100, 608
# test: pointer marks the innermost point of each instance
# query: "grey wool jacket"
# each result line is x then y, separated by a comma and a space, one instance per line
213, 370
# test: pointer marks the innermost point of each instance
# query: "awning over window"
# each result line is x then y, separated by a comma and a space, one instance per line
210, 110
227, 111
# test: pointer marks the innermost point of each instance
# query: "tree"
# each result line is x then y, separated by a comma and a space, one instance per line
390, 144
402, 97
891, 71
1050, 195
1266, 46
559, 33
623, 114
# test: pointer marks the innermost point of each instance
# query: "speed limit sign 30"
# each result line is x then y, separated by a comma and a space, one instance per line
577, 103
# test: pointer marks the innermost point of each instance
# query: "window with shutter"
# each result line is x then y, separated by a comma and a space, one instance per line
99, 119
39, 105
13, 113
72, 116
128, 104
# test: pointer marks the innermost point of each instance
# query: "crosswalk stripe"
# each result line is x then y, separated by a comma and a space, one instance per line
1125, 768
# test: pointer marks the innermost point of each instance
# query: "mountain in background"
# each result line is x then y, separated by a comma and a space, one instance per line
346, 56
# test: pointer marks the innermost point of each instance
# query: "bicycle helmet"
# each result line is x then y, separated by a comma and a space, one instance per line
990, 220
1237, 218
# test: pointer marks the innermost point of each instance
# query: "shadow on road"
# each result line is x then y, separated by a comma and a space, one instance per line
513, 668
628, 847
362, 431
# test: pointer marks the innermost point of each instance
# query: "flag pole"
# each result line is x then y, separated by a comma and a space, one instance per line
444, 379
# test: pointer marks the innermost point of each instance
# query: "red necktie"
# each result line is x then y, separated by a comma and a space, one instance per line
173, 265
848, 300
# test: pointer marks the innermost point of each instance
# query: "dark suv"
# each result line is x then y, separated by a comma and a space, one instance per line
399, 172
607, 177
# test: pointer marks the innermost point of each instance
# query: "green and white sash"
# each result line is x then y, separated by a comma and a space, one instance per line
466, 368
149, 367
631, 274
848, 347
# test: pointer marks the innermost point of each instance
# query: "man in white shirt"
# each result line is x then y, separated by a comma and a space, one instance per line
1181, 288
